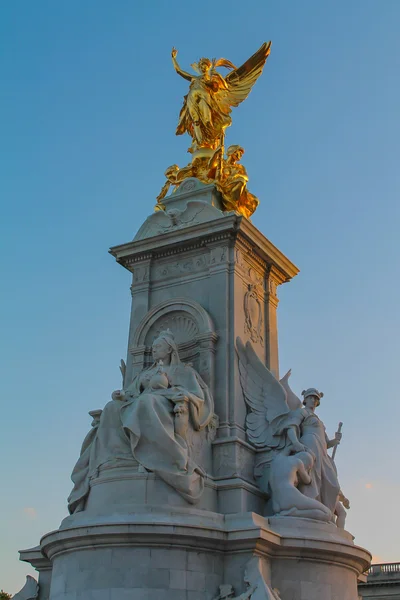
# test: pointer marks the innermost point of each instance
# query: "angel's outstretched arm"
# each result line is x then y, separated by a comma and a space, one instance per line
177, 68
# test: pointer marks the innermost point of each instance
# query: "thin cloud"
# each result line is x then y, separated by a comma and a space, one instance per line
30, 512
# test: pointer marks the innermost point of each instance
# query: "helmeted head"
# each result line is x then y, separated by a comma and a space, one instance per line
164, 346
235, 151
312, 397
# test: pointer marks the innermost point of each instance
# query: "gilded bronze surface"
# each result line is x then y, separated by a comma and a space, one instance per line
205, 115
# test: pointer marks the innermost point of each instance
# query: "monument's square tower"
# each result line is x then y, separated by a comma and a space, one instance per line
204, 477
209, 277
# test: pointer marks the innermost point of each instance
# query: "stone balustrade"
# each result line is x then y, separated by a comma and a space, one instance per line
382, 582
384, 570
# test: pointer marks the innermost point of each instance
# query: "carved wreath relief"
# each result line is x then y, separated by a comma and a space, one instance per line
253, 315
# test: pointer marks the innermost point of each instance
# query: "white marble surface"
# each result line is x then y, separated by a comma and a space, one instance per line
164, 550
30, 590
135, 535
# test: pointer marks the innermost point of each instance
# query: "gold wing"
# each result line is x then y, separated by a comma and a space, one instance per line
240, 81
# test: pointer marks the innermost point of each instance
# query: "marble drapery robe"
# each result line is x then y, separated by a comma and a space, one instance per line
142, 429
148, 417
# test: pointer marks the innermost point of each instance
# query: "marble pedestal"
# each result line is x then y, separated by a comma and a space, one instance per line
210, 277
167, 553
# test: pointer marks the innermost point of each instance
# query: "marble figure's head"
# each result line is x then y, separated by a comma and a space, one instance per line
307, 458
311, 397
164, 346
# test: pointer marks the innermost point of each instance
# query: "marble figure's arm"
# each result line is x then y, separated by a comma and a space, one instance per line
302, 474
294, 440
334, 441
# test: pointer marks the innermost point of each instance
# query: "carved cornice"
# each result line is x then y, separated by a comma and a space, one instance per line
228, 229
36, 558
248, 251
266, 250
246, 532
276, 275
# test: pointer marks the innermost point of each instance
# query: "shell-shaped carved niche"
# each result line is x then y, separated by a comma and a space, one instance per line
182, 325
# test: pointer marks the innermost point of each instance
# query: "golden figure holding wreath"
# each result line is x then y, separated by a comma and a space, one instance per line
205, 115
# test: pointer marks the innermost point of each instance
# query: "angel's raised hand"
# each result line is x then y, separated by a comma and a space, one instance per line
174, 52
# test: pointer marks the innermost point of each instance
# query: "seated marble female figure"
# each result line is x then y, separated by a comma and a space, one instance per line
148, 421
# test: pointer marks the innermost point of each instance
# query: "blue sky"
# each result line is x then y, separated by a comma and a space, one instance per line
89, 106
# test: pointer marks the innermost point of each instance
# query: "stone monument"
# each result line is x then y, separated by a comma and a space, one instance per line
204, 476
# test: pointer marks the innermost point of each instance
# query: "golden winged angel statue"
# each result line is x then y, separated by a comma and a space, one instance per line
206, 109
205, 115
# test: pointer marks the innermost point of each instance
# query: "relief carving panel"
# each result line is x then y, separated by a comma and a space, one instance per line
253, 313
183, 326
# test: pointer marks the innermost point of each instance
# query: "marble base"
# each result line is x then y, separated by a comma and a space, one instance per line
119, 487
193, 187
127, 488
164, 553
316, 560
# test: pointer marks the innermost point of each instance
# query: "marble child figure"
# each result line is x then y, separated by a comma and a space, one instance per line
147, 423
340, 512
